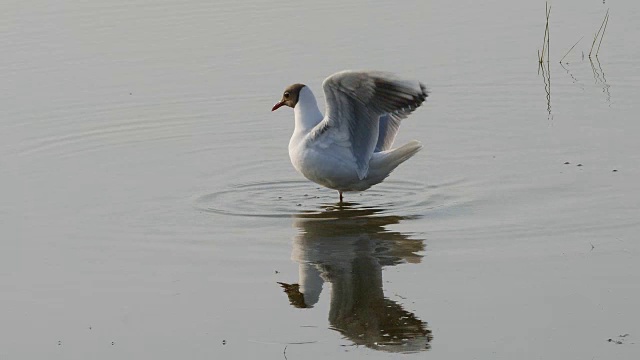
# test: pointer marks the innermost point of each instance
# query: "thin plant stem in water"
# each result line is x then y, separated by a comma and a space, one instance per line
545, 68
545, 40
539, 62
606, 21
548, 36
595, 38
574, 45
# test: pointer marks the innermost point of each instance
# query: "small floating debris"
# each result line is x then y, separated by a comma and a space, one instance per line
618, 341
614, 170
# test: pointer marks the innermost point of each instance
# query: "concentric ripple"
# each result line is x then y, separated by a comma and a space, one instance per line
302, 198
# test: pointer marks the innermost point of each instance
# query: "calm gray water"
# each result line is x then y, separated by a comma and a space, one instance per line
149, 209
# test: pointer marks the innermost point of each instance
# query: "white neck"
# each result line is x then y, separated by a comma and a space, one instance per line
306, 112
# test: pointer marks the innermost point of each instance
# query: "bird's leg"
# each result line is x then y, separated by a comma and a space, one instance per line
340, 195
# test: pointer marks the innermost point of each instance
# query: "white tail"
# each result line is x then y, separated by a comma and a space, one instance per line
404, 152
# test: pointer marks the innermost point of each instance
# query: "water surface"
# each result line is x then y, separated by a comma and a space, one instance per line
150, 210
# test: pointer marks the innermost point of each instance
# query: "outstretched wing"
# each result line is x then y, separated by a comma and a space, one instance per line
356, 100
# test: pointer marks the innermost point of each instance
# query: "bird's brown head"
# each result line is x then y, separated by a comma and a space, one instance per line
289, 97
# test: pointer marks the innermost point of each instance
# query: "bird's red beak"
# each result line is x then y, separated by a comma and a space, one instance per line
277, 105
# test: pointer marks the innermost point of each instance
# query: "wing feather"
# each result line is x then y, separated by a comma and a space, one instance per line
368, 105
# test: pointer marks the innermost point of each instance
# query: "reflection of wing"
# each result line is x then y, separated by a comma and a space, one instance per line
350, 251
394, 252
386, 326
360, 311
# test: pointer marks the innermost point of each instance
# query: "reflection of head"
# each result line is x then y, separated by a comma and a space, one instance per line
348, 247
296, 298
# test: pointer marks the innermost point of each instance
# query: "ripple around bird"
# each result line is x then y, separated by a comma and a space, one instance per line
290, 198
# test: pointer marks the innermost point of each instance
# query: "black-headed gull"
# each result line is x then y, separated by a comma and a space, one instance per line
349, 148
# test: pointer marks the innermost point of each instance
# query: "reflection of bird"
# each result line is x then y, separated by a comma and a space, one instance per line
349, 148
348, 247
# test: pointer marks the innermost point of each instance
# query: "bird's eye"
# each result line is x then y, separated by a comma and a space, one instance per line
286, 95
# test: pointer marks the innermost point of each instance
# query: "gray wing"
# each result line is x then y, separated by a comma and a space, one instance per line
356, 101
389, 124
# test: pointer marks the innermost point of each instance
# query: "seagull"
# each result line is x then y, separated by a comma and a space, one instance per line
349, 148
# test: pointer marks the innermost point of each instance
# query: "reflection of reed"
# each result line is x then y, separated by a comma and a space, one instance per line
347, 247
566, 68
596, 67
546, 77
599, 75
600, 78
